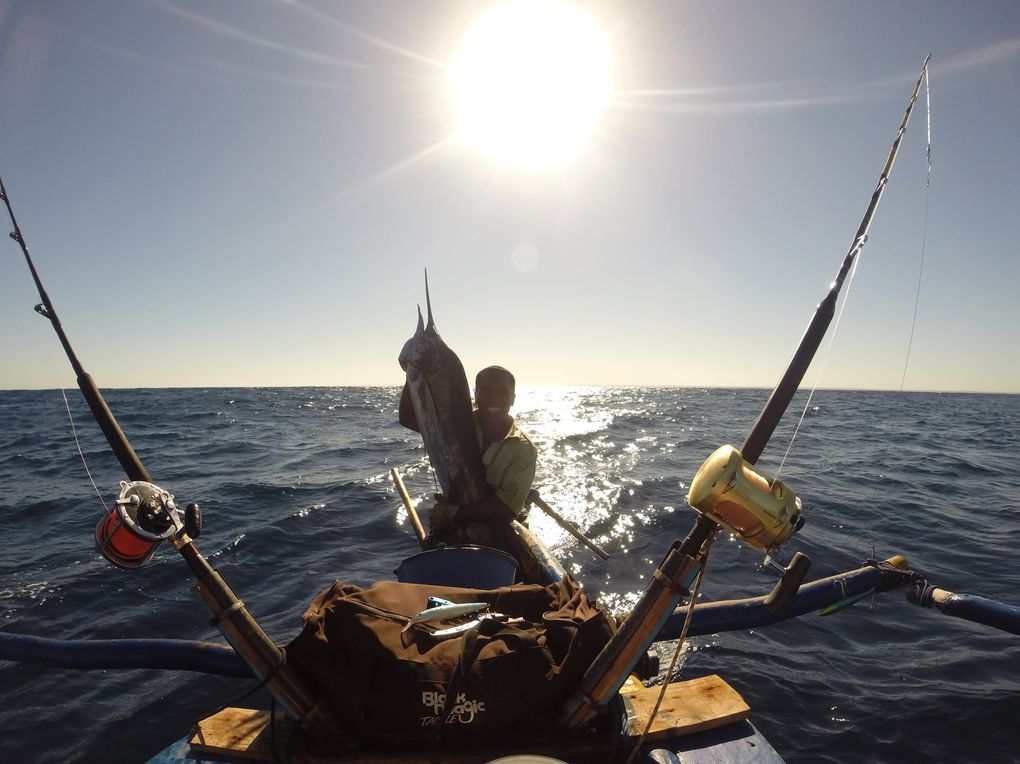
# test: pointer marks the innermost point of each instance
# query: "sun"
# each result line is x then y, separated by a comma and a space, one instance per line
529, 82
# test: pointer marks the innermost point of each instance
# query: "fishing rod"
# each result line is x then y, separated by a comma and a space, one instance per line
783, 394
97, 404
144, 515
716, 514
729, 492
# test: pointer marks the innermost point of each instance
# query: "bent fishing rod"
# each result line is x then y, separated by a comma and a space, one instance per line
144, 515
728, 492
710, 521
780, 399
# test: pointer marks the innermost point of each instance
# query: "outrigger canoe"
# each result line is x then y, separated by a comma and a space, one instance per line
700, 720
610, 708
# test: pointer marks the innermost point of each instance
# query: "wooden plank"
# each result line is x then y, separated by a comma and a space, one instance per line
688, 707
240, 732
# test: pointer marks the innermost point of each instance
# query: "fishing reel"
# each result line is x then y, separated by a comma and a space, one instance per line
143, 516
764, 512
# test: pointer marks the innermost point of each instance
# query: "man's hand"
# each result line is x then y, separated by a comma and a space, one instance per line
441, 515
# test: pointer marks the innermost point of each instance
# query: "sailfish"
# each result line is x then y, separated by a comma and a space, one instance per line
441, 398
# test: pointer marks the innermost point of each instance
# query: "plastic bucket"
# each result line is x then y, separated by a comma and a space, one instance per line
473, 567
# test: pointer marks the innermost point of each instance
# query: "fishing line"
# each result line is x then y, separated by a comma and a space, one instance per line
74, 432
898, 421
856, 262
435, 480
77, 444
825, 356
924, 235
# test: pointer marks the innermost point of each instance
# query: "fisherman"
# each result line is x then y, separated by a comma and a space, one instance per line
509, 458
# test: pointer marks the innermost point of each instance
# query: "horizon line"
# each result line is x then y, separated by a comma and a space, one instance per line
651, 386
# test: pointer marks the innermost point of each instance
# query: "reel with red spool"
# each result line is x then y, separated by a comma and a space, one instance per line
143, 516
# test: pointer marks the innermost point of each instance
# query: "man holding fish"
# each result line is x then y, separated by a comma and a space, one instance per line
508, 457
482, 461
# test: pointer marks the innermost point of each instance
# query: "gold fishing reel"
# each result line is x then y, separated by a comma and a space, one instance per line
762, 511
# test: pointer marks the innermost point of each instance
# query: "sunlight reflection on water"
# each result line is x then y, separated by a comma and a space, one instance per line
594, 458
567, 425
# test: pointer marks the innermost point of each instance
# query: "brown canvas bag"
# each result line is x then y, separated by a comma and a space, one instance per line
410, 686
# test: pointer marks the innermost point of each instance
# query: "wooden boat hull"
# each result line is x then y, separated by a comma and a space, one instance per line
699, 720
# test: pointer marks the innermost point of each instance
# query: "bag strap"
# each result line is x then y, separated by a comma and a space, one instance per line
471, 647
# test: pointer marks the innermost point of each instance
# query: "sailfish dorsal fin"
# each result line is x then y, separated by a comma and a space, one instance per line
428, 303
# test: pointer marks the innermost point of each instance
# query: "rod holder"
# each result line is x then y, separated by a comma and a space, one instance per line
779, 599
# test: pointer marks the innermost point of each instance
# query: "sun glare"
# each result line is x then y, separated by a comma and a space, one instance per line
529, 82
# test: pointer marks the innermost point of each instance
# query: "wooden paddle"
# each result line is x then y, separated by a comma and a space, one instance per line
565, 524
419, 530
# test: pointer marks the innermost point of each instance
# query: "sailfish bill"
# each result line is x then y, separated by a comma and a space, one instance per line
441, 397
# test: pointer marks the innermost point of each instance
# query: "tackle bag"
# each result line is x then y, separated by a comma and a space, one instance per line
501, 676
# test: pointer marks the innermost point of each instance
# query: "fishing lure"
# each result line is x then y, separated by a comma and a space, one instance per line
445, 612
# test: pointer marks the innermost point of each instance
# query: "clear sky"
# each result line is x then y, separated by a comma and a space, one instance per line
247, 193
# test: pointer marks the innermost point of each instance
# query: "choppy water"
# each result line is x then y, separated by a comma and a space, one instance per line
295, 491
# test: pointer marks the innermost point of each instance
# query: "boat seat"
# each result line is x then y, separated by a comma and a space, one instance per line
473, 567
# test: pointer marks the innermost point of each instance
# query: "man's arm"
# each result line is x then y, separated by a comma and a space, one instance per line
515, 472
488, 509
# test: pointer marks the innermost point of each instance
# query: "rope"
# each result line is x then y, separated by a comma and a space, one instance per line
676, 653
922, 593
894, 577
272, 713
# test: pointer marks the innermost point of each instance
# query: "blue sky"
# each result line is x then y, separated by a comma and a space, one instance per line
247, 193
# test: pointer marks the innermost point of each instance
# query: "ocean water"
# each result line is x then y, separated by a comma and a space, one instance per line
295, 489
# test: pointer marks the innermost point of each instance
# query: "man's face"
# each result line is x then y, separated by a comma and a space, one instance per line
493, 394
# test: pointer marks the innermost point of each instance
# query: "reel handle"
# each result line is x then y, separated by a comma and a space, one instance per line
782, 595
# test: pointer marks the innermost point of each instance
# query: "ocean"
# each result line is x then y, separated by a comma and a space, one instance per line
295, 492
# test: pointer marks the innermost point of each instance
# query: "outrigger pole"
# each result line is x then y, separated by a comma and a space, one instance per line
266, 659
671, 581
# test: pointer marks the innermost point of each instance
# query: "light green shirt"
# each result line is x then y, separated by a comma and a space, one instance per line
510, 467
